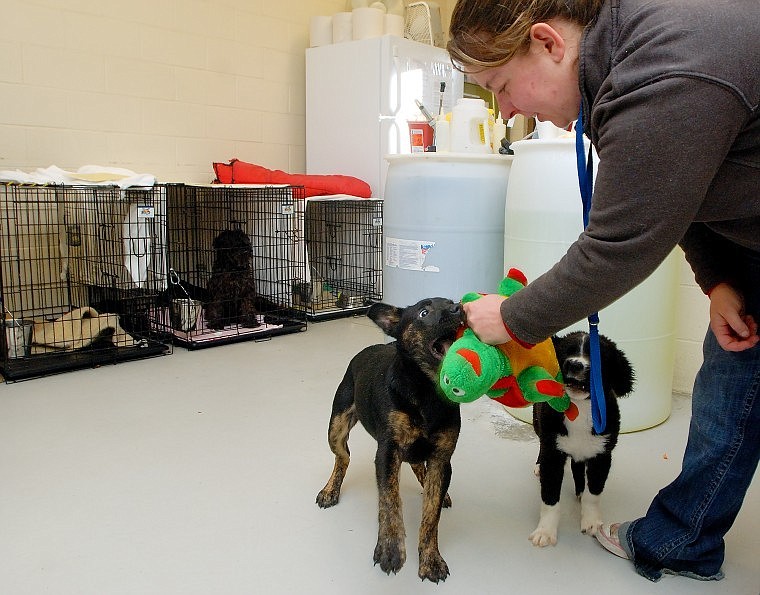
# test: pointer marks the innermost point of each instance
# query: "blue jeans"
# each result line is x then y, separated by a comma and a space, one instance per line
683, 529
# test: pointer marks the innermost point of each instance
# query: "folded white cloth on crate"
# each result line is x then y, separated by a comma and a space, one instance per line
89, 175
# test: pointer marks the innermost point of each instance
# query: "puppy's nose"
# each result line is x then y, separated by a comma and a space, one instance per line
573, 367
456, 310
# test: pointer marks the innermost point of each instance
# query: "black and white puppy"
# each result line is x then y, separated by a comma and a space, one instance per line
571, 434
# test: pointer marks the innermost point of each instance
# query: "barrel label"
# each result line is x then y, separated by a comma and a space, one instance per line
409, 254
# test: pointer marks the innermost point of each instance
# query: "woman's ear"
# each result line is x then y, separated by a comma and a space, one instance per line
545, 38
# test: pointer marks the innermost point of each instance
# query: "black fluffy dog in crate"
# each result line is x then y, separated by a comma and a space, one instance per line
231, 291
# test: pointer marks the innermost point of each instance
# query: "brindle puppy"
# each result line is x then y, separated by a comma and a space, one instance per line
392, 390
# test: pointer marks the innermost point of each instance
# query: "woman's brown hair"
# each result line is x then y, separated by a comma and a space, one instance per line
488, 33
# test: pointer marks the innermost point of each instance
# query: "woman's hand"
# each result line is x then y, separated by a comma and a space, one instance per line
734, 330
483, 316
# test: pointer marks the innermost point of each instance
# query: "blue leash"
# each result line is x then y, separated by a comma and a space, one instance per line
586, 183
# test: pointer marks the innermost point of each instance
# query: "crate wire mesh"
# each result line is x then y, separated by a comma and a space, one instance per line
80, 268
344, 251
235, 253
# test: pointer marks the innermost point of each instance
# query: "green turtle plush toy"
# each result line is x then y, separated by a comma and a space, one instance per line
511, 373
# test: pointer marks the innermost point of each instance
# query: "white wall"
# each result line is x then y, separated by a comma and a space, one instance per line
692, 317
158, 86
169, 86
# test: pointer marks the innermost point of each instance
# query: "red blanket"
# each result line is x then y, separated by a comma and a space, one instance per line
240, 172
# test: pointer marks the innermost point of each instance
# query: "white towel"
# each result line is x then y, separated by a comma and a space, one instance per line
137, 245
88, 175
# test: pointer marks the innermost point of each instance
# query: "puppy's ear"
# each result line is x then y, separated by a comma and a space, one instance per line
559, 347
570, 345
616, 367
624, 378
386, 317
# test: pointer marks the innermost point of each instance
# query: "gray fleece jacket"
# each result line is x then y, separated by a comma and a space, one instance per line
673, 90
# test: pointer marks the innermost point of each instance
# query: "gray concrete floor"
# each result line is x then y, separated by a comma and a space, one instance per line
196, 473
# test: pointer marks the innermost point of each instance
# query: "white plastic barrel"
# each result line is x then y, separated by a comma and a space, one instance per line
543, 216
443, 225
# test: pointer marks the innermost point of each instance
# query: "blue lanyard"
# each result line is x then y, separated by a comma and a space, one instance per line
586, 183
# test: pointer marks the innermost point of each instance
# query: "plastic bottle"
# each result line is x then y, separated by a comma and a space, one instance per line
442, 134
499, 132
469, 127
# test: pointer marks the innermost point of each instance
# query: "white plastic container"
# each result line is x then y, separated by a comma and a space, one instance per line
320, 31
499, 132
547, 130
393, 25
367, 22
543, 216
18, 337
443, 225
469, 127
342, 27
442, 135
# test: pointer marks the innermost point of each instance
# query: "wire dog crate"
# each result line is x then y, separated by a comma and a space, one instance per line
235, 253
80, 269
344, 238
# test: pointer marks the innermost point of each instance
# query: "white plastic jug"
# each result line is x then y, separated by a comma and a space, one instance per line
469, 127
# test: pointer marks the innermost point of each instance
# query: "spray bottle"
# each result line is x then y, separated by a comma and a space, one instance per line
499, 132
442, 133
442, 130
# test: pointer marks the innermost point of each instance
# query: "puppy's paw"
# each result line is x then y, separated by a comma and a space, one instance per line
546, 531
390, 554
327, 498
543, 536
591, 514
433, 567
591, 527
251, 321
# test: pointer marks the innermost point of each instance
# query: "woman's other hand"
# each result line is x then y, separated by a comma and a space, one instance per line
734, 330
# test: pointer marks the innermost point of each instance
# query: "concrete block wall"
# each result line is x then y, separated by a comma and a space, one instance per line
157, 86
692, 318
169, 86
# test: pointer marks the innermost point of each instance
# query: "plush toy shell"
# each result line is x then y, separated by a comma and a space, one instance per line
510, 373
470, 368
